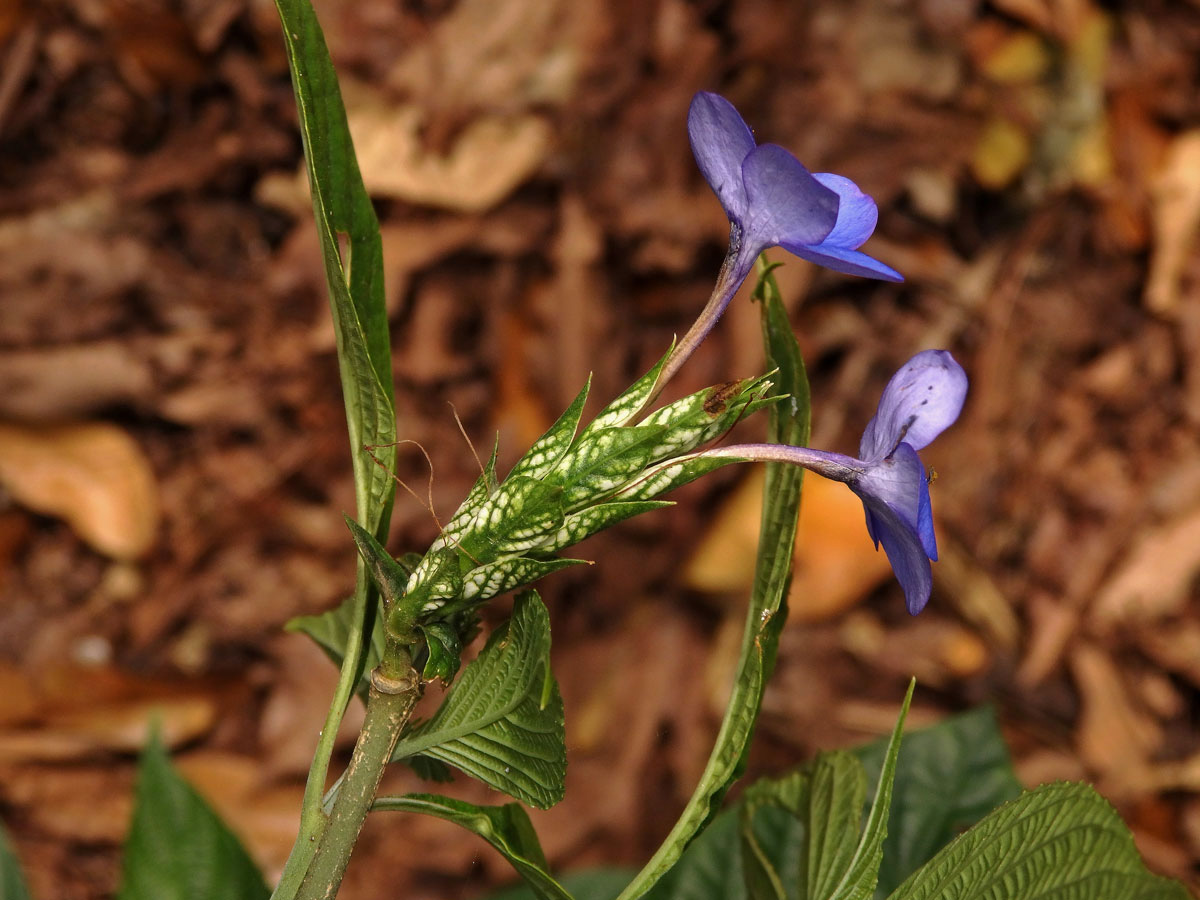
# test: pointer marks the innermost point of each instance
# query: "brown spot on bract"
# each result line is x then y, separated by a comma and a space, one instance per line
718, 397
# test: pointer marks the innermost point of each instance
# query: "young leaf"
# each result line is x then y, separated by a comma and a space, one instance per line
507, 828
12, 882
948, 777
1057, 842
789, 423
502, 722
514, 518
177, 848
858, 882
342, 208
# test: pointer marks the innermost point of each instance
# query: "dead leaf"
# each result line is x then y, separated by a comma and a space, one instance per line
1114, 737
1155, 581
488, 160
93, 475
1176, 218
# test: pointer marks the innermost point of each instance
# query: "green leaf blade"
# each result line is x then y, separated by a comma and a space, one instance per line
1059, 842
178, 849
502, 722
341, 206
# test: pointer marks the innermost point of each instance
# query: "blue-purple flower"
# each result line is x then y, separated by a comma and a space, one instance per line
922, 399
772, 200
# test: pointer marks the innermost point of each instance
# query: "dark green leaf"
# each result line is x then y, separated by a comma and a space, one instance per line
502, 722
948, 777
1058, 842
587, 522
509, 574
699, 418
177, 847
12, 882
507, 828
660, 479
789, 423
341, 207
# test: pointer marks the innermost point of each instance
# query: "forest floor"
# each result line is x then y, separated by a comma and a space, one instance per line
174, 462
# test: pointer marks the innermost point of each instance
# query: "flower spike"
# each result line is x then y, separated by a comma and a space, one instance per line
771, 201
920, 401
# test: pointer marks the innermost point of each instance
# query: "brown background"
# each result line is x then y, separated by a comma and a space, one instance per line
172, 446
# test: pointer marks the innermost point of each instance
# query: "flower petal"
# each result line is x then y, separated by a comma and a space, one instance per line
896, 496
923, 399
721, 141
848, 262
785, 203
905, 553
857, 213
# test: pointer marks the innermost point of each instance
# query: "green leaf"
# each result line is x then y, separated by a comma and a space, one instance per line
507, 828
12, 882
177, 847
948, 777
1058, 842
502, 722
699, 418
342, 208
858, 882
789, 423
445, 651
332, 629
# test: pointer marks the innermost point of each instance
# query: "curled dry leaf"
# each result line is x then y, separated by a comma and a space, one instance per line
92, 475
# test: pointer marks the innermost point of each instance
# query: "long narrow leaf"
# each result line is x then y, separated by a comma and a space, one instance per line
355, 279
789, 423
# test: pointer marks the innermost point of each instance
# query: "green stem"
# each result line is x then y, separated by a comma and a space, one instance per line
312, 816
389, 704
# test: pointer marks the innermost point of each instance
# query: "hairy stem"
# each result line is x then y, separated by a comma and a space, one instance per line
389, 704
